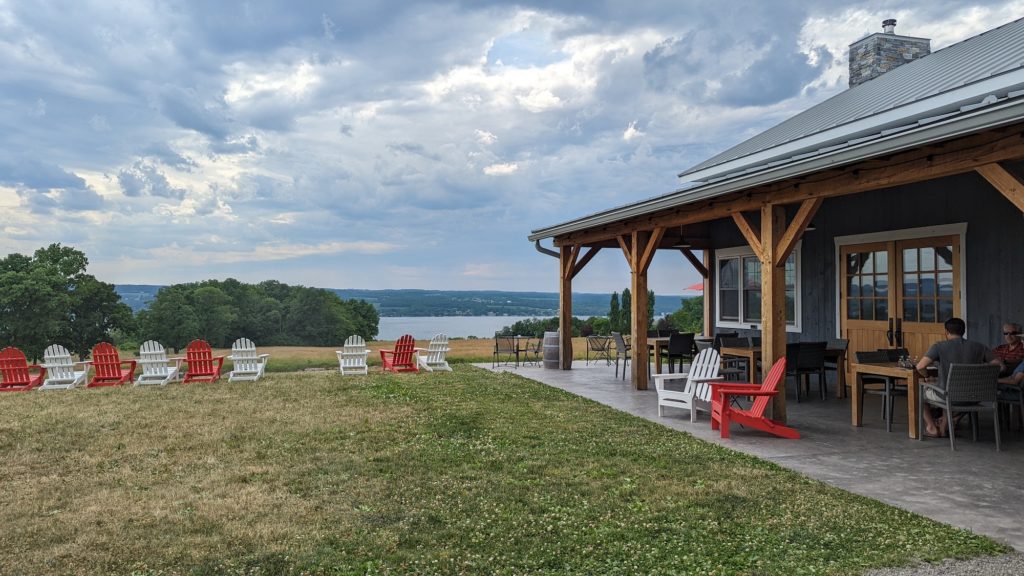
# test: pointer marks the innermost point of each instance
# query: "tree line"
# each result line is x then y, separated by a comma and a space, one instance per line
688, 318
48, 298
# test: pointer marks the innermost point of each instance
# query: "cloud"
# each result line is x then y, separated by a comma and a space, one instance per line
501, 169
144, 179
631, 132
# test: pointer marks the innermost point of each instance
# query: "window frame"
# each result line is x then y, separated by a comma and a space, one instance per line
741, 252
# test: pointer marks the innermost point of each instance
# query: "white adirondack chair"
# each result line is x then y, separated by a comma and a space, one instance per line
60, 369
696, 392
352, 356
434, 356
157, 368
248, 365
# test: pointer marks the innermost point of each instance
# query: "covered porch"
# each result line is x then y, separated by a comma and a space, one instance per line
974, 487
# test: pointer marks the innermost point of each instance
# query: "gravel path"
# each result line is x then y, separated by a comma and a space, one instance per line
1008, 565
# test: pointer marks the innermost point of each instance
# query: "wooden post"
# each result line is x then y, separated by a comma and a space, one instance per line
567, 263
638, 311
773, 297
709, 295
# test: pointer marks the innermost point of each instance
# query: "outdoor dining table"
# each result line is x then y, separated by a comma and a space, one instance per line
753, 356
657, 343
892, 370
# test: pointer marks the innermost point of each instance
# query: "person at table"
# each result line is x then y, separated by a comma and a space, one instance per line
955, 349
1016, 378
1011, 353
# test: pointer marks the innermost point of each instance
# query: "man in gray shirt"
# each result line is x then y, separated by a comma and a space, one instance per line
955, 349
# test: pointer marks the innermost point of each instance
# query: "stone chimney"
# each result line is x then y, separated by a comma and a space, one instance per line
882, 51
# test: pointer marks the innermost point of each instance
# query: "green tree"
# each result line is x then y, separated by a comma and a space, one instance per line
170, 318
650, 308
626, 317
690, 317
95, 311
614, 314
215, 315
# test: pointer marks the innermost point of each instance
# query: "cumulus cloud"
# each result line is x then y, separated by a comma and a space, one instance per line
503, 169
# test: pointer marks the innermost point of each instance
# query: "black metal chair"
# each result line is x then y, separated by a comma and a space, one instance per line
831, 364
621, 351
601, 346
808, 358
680, 347
733, 368
505, 350
970, 388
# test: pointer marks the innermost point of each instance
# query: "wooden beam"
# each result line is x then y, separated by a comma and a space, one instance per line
638, 311
808, 208
773, 300
626, 249
1002, 180
697, 264
650, 248
585, 260
924, 163
750, 232
567, 259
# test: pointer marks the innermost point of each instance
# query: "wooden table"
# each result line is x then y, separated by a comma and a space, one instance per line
751, 353
892, 370
838, 356
657, 342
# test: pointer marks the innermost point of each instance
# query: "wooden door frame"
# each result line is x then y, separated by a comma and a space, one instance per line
959, 229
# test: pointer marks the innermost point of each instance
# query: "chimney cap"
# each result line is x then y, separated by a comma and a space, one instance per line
888, 26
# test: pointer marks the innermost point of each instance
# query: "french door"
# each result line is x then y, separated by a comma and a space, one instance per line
898, 294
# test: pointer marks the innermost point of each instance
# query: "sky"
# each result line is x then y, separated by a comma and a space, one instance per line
394, 144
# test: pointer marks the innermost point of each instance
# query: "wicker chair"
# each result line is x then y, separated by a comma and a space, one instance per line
969, 388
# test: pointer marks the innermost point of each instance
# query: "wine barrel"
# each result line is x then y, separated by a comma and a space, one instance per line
551, 350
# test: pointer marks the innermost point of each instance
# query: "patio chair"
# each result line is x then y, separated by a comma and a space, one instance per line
680, 347
723, 413
247, 364
61, 373
16, 373
621, 351
157, 368
203, 366
531, 352
109, 369
601, 346
803, 360
505, 351
696, 392
1011, 396
879, 386
402, 357
830, 364
352, 356
434, 356
969, 388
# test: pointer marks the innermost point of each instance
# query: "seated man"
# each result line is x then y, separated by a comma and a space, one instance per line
955, 349
1012, 352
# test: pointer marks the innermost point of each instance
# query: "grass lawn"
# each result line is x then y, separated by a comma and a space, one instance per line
467, 472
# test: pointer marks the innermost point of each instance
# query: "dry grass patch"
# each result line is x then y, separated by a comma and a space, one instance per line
464, 472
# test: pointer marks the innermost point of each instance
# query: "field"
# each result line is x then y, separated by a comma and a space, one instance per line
294, 358
448, 473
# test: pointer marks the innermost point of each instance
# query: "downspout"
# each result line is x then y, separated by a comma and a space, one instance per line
544, 250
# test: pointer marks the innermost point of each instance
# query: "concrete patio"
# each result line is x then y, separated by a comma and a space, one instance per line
974, 487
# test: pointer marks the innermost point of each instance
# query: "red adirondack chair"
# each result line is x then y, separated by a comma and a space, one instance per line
402, 358
203, 366
109, 369
723, 413
15, 371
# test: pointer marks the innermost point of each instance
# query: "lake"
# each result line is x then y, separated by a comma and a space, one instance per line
425, 327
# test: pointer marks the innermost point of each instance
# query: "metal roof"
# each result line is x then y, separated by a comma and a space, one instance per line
972, 60
974, 95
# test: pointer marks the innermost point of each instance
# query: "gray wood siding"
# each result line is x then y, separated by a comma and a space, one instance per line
994, 245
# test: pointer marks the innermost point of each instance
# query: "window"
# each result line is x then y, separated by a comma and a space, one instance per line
739, 289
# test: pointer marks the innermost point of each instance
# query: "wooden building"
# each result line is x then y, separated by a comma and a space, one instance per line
880, 212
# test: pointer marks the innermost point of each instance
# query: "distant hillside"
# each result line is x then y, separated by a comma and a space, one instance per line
448, 302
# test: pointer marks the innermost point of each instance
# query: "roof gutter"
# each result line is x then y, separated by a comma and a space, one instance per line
985, 118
